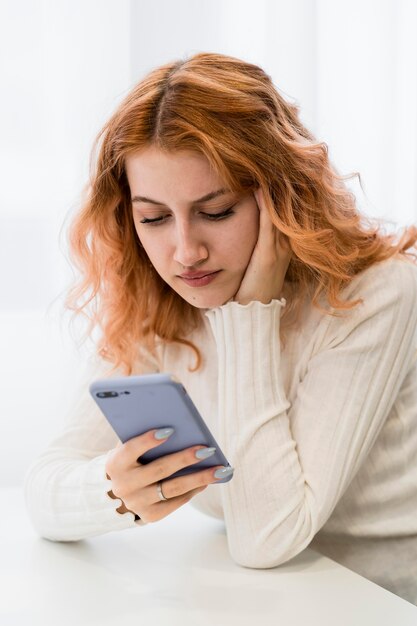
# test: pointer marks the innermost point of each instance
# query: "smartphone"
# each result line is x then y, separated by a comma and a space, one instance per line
135, 404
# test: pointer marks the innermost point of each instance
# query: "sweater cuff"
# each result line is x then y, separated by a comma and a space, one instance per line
248, 347
96, 486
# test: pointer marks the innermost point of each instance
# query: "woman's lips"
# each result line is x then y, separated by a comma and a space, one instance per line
201, 281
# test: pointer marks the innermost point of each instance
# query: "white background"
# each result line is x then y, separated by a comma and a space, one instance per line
65, 65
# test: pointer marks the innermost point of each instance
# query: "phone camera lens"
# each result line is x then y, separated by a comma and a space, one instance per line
107, 394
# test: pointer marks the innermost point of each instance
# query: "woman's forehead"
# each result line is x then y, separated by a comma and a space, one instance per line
188, 174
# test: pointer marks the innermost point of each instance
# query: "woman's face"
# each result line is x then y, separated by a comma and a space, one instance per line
188, 222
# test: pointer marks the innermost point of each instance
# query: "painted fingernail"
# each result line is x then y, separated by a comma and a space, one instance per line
223, 472
163, 433
205, 453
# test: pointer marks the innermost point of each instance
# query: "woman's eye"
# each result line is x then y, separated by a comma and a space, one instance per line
218, 216
209, 216
147, 221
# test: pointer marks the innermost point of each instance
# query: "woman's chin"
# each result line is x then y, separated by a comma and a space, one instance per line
206, 300
211, 295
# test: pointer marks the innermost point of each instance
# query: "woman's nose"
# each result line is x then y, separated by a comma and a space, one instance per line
190, 249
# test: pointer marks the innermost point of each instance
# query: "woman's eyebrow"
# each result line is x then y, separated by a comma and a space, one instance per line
206, 198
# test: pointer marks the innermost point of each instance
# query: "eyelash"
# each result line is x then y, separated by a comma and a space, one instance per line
209, 216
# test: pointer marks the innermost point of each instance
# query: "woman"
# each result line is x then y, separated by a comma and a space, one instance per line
217, 242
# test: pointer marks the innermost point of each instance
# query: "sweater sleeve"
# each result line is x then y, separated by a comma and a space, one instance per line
66, 487
293, 461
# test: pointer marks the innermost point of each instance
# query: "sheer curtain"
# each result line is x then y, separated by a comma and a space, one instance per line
350, 66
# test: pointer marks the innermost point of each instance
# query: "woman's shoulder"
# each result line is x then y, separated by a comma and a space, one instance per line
393, 277
385, 294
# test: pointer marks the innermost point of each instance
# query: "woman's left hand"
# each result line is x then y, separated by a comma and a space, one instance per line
264, 276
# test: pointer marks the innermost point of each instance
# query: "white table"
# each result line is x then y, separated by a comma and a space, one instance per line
174, 573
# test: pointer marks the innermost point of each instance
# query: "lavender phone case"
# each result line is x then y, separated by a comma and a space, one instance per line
135, 404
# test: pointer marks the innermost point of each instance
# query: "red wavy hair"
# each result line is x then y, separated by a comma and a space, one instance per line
228, 110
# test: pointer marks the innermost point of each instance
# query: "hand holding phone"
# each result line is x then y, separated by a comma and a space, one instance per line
161, 456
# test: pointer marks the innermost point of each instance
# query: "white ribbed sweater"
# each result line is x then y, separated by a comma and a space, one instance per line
322, 433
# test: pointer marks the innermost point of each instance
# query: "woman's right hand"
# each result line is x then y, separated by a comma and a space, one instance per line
136, 484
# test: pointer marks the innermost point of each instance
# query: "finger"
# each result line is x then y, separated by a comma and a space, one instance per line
165, 466
138, 487
125, 455
177, 487
159, 510
267, 229
284, 250
139, 497
268, 232
174, 487
263, 210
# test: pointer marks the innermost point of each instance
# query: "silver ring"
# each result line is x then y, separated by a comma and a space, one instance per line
159, 490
